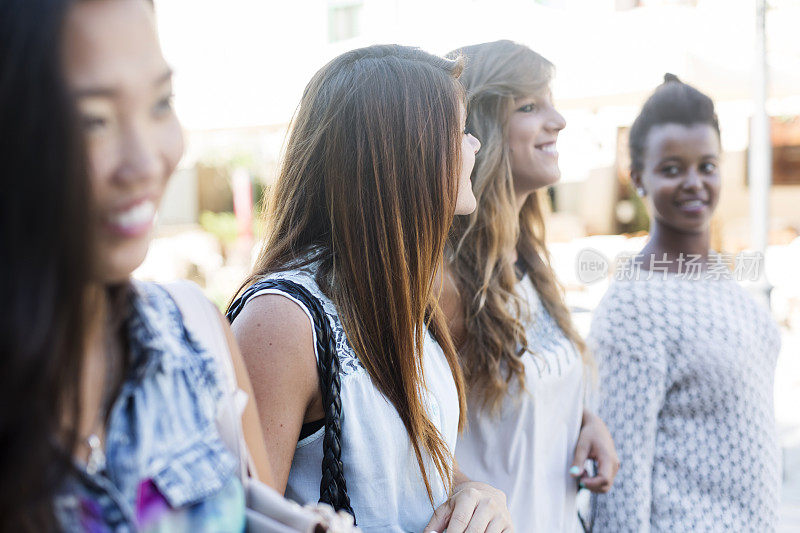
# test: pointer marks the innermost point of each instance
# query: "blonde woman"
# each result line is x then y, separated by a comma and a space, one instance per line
376, 166
528, 432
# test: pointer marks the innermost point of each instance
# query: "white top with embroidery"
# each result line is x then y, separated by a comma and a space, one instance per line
527, 450
383, 478
686, 376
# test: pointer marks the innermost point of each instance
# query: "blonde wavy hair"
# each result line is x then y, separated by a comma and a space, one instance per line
494, 313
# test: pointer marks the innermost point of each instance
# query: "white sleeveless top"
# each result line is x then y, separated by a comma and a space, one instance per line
383, 478
526, 450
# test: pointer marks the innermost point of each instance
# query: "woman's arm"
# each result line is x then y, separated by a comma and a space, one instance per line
251, 425
277, 351
632, 394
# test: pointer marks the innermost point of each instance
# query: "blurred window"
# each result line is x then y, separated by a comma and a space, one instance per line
343, 20
622, 5
785, 132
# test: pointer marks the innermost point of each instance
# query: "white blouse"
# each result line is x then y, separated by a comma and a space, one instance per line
383, 478
527, 450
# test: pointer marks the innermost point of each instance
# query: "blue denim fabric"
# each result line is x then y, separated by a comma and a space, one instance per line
161, 428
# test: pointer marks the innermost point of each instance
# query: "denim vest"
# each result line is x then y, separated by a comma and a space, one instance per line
166, 467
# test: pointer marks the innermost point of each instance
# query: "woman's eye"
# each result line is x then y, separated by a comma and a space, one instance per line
708, 168
163, 107
528, 108
671, 170
93, 123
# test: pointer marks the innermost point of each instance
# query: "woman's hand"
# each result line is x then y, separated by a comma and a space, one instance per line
595, 442
473, 508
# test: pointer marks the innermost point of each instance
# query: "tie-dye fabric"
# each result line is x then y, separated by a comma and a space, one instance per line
166, 468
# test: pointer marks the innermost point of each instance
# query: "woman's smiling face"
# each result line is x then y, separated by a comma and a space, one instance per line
533, 129
465, 200
680, 175
122, 87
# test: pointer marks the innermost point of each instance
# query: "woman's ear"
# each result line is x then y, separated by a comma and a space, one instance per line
636, 180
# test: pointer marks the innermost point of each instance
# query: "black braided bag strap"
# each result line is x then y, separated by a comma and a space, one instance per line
332, 489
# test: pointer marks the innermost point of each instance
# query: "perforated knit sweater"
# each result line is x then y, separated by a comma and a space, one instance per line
687, 370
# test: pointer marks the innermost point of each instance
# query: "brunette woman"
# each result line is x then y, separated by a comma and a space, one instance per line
108, 403
686, 356
376, 165
528, 431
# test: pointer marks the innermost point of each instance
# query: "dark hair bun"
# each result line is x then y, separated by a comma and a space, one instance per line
672, 102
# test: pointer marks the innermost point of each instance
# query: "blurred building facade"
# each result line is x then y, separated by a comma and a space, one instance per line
241, 67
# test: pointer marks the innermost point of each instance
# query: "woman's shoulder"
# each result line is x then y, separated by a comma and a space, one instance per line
277, 309
164, 342
631, 322
273, 302
625, 299
172, 308
273, 315
178, 321
303, 272
269, 312
155, 310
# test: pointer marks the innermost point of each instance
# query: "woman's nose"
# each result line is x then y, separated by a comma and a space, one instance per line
476, 143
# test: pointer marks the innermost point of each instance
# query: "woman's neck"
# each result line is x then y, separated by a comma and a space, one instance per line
676, 245
521, 198
96, 319
100, 358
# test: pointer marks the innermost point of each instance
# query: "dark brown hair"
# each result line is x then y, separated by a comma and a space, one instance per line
673, 102
368, 183
44, 274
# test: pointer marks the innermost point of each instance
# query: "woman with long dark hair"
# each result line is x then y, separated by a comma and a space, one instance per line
528, 431
107, 416
376, 165
686, 356
46, 267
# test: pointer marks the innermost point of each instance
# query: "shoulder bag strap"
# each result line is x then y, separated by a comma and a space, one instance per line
333, 489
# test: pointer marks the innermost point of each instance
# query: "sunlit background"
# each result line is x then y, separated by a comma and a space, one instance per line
241, 66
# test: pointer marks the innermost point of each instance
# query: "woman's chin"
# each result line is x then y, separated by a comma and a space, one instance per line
466, 205
552, 177
687, 226
534, 182
117, 266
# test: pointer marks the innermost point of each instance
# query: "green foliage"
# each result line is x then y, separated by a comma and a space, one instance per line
222, 225
641, 219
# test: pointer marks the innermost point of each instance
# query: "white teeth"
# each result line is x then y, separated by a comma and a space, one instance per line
135, 216
692, 203
550, 148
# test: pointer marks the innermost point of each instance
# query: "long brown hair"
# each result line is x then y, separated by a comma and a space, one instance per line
368, 184
486, 276
45, 229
